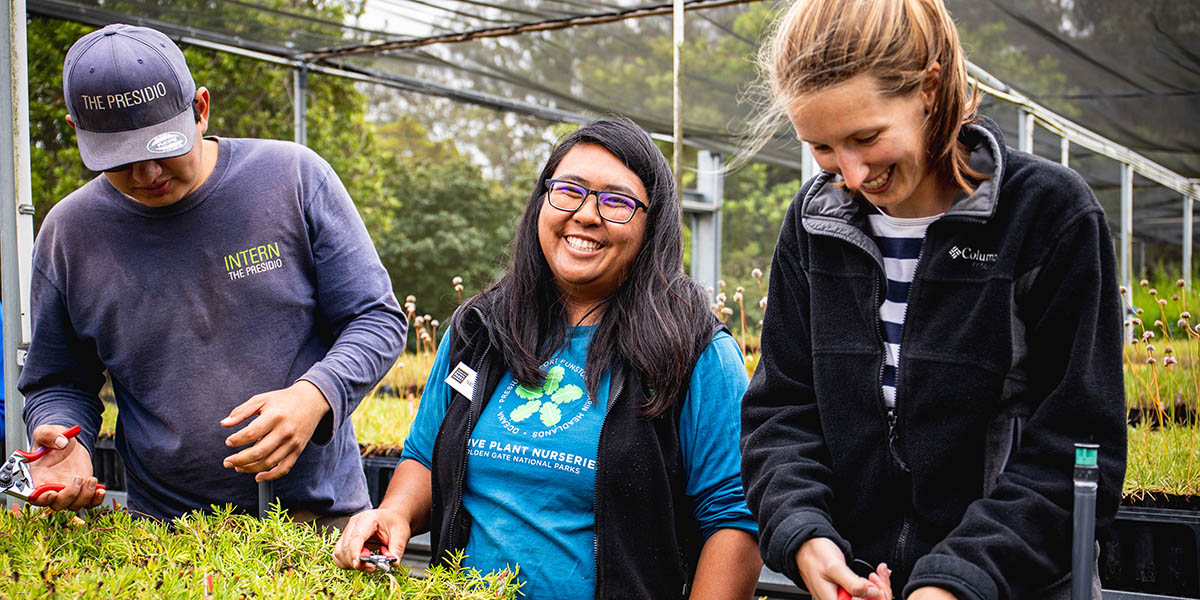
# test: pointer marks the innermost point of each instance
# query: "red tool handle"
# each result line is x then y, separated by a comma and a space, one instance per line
53, 487
381, 550
36, 454
843, 594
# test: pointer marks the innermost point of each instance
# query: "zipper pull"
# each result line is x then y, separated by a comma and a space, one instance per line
893, 437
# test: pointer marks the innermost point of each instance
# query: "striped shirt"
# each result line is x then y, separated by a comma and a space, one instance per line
899, 241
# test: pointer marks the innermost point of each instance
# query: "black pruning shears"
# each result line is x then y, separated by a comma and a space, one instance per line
375, 553
15, 479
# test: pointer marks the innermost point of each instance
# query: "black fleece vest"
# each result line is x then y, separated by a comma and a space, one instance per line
647, 542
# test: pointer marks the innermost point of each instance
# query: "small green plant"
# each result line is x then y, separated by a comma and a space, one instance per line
407, 377
1162, 390
108, 419
112, 554
382, 422
1162, 460
748, 338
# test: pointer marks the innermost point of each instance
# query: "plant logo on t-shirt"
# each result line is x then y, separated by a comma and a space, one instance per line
545, 402
554, 407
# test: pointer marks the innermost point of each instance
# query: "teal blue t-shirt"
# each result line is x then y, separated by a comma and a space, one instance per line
531, 465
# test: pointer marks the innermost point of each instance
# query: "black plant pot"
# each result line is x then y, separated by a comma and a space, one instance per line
107, 465
1153, 550
379, 471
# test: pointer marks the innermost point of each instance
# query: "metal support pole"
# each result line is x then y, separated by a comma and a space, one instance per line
706, 220
1126, 225
1025, 124
808, 164
677, 102
1065, 154
16, 215
1187, 241
300, 103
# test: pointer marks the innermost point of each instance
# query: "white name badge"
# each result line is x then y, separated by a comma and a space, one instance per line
462, 379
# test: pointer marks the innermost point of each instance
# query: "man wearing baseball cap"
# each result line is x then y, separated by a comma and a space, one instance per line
227, 286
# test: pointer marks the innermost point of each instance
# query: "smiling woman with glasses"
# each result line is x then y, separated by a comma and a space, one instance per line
581, 417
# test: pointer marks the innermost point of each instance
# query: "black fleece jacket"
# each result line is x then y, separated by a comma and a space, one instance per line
1011, 354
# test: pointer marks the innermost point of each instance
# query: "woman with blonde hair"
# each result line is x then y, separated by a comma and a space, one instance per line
944, 324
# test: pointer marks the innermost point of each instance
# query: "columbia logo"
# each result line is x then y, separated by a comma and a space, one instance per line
459, 375
972, 254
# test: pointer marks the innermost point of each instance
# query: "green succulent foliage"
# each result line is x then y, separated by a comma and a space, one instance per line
112, 554
568, 393
527, 393
551, 415
525, 411
553, 379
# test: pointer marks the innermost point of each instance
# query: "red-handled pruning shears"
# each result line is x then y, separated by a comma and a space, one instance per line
15, 479
376, 553
843, 594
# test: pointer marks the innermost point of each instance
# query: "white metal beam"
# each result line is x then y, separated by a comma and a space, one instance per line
808, 164
1025, 124
300, 103
706, 221
1187, 241
677, 94
16, 214
1126, 226
1085, 137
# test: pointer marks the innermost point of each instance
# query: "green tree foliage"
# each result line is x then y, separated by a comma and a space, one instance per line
441, 219
55, 165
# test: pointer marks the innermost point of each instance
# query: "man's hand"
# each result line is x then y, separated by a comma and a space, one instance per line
285, 422
68, 463
931, 593
823, 568
388, 526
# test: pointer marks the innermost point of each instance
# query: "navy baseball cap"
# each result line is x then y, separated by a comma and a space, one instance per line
130, 94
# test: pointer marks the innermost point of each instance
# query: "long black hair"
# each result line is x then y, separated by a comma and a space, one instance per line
657, 321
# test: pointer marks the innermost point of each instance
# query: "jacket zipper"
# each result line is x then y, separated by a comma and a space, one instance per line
902, 542
480, 379
892, 416
595, 486
889, 413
